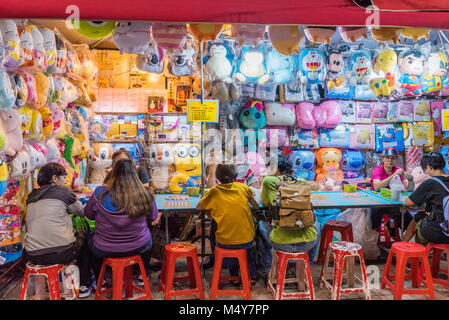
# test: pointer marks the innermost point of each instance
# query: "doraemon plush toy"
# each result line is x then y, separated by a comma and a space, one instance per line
7, 91
312, 72
252, 116
302, 164
132, 36
152, 60
219, 61
11, 43
182, 63
361, 73
282, 69
251, 66
352, 162
278, 114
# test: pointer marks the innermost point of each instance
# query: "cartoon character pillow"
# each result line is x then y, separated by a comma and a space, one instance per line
328, 161
303, 164
312, 72
337, 84
389, 135
132, 36
251, 65
361, 73
411, 66
170, 37
219, 60
182, 62
152, 59
253, 116
278, 114
95, 29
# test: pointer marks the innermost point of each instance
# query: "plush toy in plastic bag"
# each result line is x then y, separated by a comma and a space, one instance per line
42, 89
38, 155
335, 137
364, 112
11, 43
280, 133
95, 29
56, 116
312, 72
327, 115
2, 51
347, 111
26, 114
406, 111
361, 73
413, 156
328, 161
253, 116
188, 161
36, 126
20, 165
411, 66
282, 68
247, 34
435, 75
251, 65
73, 63
415, 33
30, 82
436, 108
393, 111
89, 68
132, 36
386, 34
319, 34
47, 123
162, 165
352, 163
219, 60
421, 133
422, 110
182, 62
253, 139
26, 47
353, 34
380, 111
304, 138
302, 164
11, 121
100, 159
170, 37
363, 136
278, 114
205, 31
445, 153
384, 67
285, 39
49, 45
40, 60
152, 59
337, 81
61, 55
256, 163
7, 91
389, 135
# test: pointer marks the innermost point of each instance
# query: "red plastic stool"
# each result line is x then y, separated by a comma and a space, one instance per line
384, 236
345, 229
403, 251
240, 254
172, 252
435, 267
51, 273
122, 267
280, 261
343, 250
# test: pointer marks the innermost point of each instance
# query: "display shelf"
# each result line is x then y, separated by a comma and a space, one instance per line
117, 141
173, 141
167, 114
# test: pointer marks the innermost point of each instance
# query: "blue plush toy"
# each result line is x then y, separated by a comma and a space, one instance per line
352, 162
253, 138
389, 135
302, 164
253, 116
219, 61
251, 66
445, 153
282, 68
312, 63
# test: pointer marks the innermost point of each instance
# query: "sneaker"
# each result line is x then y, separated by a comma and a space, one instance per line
84, 292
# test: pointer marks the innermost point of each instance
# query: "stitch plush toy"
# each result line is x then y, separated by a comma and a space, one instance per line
7, 91
247, 34
11, 43
162, 165
252, 116
251, 65
302, 164
219, 61
285, 39
280, 114
411, 66
328, 160
384, 64
11, 121
352, 163
169, 37
312, 72
152, 59
132, 36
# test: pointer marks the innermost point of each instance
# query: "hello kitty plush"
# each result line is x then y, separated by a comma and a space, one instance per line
20, 165
132, 36
11, 121
278, 114
162, 165
218, 63
37, 154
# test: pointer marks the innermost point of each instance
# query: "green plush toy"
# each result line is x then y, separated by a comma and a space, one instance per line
68, 141
95, 29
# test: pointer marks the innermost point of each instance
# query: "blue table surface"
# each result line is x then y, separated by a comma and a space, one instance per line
168, 201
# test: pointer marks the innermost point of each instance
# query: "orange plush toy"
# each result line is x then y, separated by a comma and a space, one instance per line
328, 160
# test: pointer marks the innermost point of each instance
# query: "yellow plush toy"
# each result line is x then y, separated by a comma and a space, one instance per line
384, 62
42, 88
328, 160
36, 125
386, 34
47, 123
26, 114
205, 31
285, 39
415, 33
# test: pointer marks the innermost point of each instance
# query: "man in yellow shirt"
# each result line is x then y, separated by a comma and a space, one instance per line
228, 204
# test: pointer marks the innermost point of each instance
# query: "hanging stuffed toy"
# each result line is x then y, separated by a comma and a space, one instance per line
11, 121
251, 65
386, 34
94, 29
7, 91
253, 116
282, 68
361, 72
132, 36
40, 60
219, 60
11, 43
37, 154
3, 176
73, 64
61, 55
3, 140
26, 114
162, 165
328, 161
436, 108
312, 72
353, 34
36, 126
411, 65
152, 59
337, 84
319, 34
47, 123
384, 65
280, 133
20, 165
352, 163
182, 63
42, 89
415, 33
49, 45
389, 135
326, 115
169, 37
278, 114
435, 75
56, 116
285, 39
26, 47
302, 164
247, 34
205, 31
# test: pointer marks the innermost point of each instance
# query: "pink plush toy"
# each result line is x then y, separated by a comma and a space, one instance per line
304, 115
419, 176
329, 185
56, 116
256, 163
353, 34
11, 121
436, 108
326, 115
32, 101
169, 36
282, 136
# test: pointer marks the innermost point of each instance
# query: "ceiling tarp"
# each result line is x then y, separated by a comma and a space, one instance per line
411, 5
322, 12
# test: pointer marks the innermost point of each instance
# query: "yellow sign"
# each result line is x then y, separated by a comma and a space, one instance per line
445, 119
207, 112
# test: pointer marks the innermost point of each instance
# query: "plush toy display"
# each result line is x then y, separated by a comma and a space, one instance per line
95, 29
415, 33
47, 123
247, 34
31, 101
7, 91
302, 164
312, 72
389, 135
42, 89
282, 68
253, 116
180, 182
337, 84
20, 165
435, 75
436, 108
161, 161
132, 36
11, 121
26, 47
49, 45
352, 163
285, 39
319, 34
26, 114
251, 65
205, 31
361, 71
386, 34
169, 37
182, 62
40, 60
422, 110
411, 65
353, 34
328, 161
100, 159
219, 60
326, 115
37, 154
278, 114
152, 59
188, 161
11, 43
363, 136
384, 66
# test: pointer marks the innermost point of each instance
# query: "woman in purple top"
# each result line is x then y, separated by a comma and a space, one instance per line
123, 210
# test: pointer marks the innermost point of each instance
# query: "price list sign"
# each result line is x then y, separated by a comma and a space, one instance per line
206, 112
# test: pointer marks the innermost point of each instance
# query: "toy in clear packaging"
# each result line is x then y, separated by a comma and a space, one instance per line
353, 34
7, 91
285, 39
352, 163
36, 129
347, 111
40, 59
361, 72
406, 111
380, 111
20, 165
319, 34
389, 135
131, 36
422, 110
169, 37
337, 82
253, 116
421, 134
37, 154
445, 153
11, 43
182, 62
304, 138
247, 34
22, 90
364, 112
278, 114
386, 34
30, 82
11, 121
302, 164
266, 92
362, 136
152, 59
413, 155
26, 115
292, 91
42, 89
335, 137
280, 133
328, 164
251, 65
312, 72
49, 45
47, 123
73, 63
256, 163
436, 108
415, 33
282, 68
384, 67
411, 66
435, 75
26, 47
162, 162
188, 161
393, 111
219, 60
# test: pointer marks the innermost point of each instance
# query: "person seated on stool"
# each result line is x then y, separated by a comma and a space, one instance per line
381, 178
228, 204
50, 238
430, 193
124, 210
281, 239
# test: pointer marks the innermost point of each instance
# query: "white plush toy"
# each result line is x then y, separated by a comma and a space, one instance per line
20, 165
162, 165
219, 61
278, 114
11, 121
132, 36
99, 160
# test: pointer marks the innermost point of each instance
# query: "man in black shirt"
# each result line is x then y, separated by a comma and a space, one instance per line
430, 194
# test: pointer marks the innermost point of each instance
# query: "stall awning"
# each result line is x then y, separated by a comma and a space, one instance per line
411, 5
322, 12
